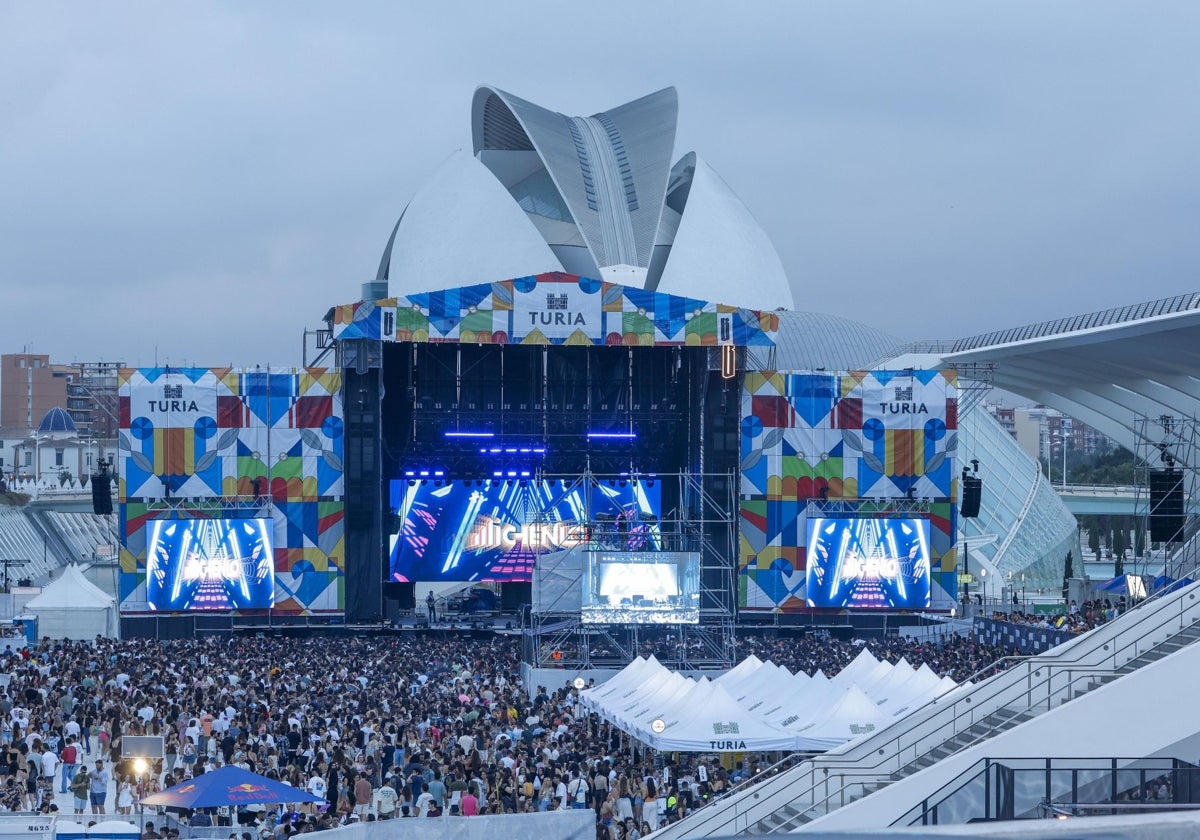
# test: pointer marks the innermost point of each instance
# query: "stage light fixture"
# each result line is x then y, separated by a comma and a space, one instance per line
470, 434
612, 435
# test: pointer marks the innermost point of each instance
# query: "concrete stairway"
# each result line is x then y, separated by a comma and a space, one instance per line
1029, 688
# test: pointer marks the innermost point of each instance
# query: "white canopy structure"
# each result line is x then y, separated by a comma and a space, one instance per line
759, 706
72, 607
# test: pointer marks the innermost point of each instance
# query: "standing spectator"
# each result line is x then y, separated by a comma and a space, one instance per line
100, 778
81, 788
70, 757
363, 795
385, 801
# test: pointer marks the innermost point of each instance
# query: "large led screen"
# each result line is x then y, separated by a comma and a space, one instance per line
209, 564
864, 562
641, 587
493, 530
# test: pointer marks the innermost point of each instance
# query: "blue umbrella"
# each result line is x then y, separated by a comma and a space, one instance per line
228, 785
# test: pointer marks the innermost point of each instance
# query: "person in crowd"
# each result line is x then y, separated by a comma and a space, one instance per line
379, 727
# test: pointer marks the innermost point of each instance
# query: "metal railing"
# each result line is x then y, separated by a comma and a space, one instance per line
1031, 692
1028, 788
1030, 685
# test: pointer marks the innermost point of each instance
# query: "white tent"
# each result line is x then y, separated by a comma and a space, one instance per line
73, 607
760, 706
852, 716
712, 721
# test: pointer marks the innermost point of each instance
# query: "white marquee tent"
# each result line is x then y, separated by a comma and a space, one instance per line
759, 706
72, 607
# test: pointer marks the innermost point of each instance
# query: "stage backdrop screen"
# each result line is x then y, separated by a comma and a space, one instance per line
493, 530
641, 587
868, 562
209, 564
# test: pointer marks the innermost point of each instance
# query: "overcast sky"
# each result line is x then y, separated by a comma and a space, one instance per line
198, 182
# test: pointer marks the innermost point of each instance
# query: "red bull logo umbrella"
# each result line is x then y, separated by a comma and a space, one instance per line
229, 785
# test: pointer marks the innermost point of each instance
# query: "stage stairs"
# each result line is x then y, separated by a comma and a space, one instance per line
785, 799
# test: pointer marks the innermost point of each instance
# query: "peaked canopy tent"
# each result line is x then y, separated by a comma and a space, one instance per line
758, 706
1131, 585
72, 607
714, 722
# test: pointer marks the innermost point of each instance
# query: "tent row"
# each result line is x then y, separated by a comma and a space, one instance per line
759, 706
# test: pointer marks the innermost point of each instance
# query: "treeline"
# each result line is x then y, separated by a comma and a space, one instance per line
1112, 467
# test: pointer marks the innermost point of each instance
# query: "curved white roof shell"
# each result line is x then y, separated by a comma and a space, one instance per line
812, 341
595, 196
719, 249
436, 243
1105, 368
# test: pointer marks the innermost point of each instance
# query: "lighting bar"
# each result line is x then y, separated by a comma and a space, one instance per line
613, 435
469, 434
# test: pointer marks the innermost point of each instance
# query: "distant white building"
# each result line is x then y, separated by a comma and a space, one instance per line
55, 448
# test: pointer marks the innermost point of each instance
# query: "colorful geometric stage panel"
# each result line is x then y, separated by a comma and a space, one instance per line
555, 308
862, 443
229, 444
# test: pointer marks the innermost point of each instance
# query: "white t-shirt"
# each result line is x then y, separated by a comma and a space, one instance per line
423, 803
316, 786
385, 799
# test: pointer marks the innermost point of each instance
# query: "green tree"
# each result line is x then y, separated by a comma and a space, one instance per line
1068, 573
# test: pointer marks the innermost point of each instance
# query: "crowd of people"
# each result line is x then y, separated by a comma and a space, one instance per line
1074, 618
420, 725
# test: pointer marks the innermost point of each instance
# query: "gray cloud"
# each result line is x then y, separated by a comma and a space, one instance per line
207, 179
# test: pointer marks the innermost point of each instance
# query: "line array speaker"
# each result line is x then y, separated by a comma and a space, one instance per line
1166, 506
972, 494
102, 494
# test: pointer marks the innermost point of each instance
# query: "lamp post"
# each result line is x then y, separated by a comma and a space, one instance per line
140, 766
1061, 437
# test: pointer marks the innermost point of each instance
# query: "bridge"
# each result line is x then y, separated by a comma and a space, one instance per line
1112, 500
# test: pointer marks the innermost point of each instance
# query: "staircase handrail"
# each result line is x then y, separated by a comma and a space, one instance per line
1046, 763
846, 781
1053, 693
987, 697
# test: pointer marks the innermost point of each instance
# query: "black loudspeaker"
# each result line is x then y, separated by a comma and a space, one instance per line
972, 493
1166, 506
102, 494
514, 596
402, 593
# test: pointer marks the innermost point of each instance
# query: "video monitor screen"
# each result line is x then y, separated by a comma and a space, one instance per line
641, 587
868, 563
210, 564
492, 530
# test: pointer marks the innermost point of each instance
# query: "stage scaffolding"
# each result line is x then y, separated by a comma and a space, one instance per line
703, 521
1167, 442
